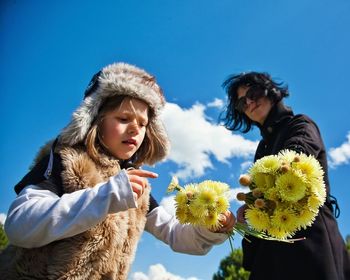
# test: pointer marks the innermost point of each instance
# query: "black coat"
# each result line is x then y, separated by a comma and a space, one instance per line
322, 255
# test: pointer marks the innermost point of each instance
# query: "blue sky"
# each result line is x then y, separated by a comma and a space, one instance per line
50, 49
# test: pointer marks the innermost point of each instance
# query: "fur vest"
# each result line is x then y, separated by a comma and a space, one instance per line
105, 251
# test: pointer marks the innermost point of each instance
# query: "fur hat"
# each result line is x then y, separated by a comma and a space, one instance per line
113, 80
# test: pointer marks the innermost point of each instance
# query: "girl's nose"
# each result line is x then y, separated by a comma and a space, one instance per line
133, 127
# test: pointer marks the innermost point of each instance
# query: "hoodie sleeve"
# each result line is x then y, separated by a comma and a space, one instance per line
37, 217
181, 238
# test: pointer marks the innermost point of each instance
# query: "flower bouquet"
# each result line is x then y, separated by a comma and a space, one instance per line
202, 204
285, 193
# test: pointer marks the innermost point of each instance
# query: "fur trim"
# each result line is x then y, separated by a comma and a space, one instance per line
116, 79
105, 251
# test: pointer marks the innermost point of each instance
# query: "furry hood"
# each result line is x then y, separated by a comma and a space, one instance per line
113, 80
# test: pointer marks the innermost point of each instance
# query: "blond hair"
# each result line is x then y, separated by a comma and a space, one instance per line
152, 149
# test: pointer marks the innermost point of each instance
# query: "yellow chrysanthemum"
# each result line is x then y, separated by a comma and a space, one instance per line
272, 194
198, 209
287, 155
192, 219
211, 220
181, 198
218, 187
318, 188
181, 214
309, 166
290, 187
278, 233
285, 220
268, 164
263, 181
257, 218
207, 197
222, 204
305, 218
314, 202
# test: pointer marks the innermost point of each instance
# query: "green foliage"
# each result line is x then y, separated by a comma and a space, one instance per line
3, 238
347, 239
231, 267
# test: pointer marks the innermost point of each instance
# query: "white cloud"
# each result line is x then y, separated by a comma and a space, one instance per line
194, 139
245, 166
341, 154
235, 191
2, 218
217, 103
158, 272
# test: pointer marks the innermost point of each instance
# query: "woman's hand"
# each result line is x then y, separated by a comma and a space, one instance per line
138, 181
227, 221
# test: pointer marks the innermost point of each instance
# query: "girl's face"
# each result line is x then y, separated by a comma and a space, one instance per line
256, 110
123, 129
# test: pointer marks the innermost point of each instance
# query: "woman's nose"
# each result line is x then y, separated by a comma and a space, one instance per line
249, 101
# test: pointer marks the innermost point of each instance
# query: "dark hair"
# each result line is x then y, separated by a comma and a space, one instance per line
235, 120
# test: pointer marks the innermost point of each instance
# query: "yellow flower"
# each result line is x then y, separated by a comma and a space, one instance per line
290, 187
257, 218
217, 188
174, 184
198, 209
211, 220
318, 188
222, 204
264, 181
268, 164
305, 218
285, 220
191, 219
309, 166
278, 233
314, 202
181, 214
272, 194
181, 198
287, 155
207, 197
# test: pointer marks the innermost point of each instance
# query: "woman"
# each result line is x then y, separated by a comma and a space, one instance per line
254, 99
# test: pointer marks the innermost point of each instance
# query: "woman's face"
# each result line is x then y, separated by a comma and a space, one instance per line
122, 130
256, 110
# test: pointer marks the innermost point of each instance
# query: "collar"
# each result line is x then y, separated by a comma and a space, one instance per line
279, 112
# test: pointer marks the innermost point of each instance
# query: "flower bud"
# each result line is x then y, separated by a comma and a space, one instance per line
245, 180
257, 193
241, 196
284, 167
189, 195
296, 159
259, 203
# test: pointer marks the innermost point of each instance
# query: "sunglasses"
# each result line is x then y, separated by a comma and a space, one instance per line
253, 94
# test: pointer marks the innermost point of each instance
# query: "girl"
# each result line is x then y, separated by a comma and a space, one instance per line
256, 100
81, 209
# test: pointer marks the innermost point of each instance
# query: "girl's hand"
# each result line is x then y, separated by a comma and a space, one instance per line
240, 214
138, 181
227, 221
